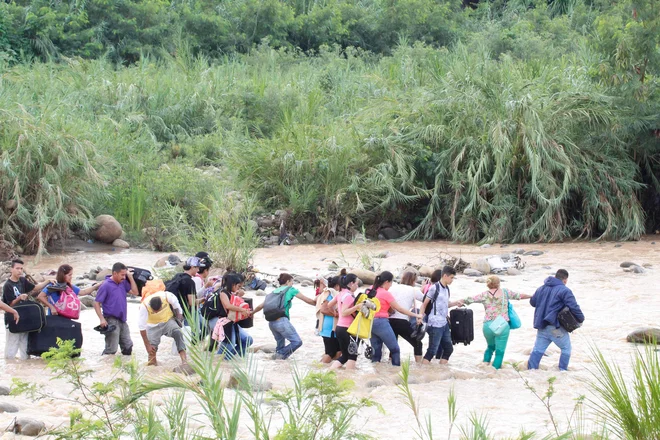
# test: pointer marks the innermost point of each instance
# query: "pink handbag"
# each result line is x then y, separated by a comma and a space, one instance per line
68, 306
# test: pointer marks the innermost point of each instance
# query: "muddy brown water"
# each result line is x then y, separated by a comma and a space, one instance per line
614, 302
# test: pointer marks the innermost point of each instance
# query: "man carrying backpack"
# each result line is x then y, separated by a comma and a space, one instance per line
112, 309
16, 289
183, 286
548, 301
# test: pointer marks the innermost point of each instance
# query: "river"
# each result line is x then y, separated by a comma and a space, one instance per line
614, 302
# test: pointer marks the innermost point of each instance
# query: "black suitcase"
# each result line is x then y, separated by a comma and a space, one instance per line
247, 322
31, 317
141, 276
461, 323
56, 327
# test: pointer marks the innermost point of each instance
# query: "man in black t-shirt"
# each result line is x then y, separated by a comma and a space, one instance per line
183, 286
16, 289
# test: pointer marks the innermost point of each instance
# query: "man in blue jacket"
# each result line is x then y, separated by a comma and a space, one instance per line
549, 300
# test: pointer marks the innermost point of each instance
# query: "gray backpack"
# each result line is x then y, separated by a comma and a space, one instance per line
274, 305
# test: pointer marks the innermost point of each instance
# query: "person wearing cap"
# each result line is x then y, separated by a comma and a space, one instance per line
156, 318
112, 309
183, 286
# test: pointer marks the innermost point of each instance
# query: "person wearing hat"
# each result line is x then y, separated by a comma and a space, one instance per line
183, 286
112, 309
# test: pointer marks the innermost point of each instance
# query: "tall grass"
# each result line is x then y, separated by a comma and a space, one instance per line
630, 406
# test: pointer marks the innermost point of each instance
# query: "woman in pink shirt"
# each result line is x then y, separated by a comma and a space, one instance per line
345, 308
381, 330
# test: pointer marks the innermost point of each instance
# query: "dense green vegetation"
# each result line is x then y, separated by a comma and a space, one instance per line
512, 121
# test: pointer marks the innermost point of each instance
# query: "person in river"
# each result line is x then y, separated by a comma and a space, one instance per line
437, 324
346, 307
156, 318
327, 318
548, 301
112, 309
16, 289
381, 330
215, 311
405, 294
281, 326
496, 303
51, 294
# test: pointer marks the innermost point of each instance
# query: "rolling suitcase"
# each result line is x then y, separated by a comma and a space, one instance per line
461, 323
56, 327
31, 317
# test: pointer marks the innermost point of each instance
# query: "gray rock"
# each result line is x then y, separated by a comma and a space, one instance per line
340, 239
173, 259
271, 241
252, 224
627, 264
386, 254
390, 233
104, 273
513, 271
269, 349
306, 283
366, 276
645, 335
618, 245
28, 427
4, 391
87, 301
481, 265
108, 229
533, 253
425, 271
8, 407
485, 246
637, 269
260, 293
472, 272
647, 265
359, 238
480, 280
309, 238
653, 242
121, 244
375, 383
518, 251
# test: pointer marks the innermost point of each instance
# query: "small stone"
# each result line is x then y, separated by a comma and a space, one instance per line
480, 280
340, 239
472, 272
260, 293
121, 244
8, 407
184, 369
309, 238
653, 242
4, 391
618, 245
306, 283
513, 271
173, 259
518, 251
390, 234
627, 264
637, 269
647, 265
235, 383
375, 383
386, 254
266, 348
533, 253
28, 427
359, 238
485, 246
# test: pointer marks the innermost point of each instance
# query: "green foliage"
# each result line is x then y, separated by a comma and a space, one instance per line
630, 406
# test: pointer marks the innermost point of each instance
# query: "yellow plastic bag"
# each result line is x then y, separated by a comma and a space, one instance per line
361, 325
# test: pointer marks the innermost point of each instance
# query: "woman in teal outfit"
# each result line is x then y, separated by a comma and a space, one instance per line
496, 303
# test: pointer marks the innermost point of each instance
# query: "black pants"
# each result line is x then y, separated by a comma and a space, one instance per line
344, 339
331, 345
403, 328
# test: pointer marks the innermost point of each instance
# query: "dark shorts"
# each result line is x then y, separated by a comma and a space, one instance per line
344, 339
331, 345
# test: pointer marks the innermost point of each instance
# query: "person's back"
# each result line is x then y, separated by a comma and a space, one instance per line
548, 301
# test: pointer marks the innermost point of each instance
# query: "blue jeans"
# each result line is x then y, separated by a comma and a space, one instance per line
544, 337
283, 331
439, 342
381, 332
237, 344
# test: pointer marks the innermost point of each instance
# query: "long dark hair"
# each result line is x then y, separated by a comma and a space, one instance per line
346, 279
63, 271
381, 279
229, 281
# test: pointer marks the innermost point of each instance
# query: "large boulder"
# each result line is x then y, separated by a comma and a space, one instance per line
472, 272
645, 335
481, 265
28, 427
390, 233
367, 276
426, 271
108, 229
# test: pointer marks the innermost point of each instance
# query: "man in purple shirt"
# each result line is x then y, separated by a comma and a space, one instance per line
111, 308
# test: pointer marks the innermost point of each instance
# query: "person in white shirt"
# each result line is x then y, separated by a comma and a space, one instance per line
156, 319
406, 294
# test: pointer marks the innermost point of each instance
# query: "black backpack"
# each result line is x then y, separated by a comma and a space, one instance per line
568, 320
212, 307
274, 305
431, 305
174, 284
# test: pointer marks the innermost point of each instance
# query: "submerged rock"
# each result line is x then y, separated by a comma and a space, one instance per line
481, 265
627, 264
645, 335
4, 391
121, 244
534, 253
28, 427
6, 407
472, 272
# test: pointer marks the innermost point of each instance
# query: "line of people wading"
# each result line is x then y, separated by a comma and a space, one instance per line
351, 323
